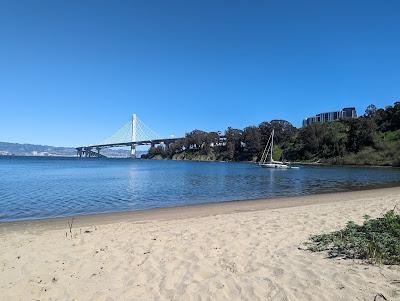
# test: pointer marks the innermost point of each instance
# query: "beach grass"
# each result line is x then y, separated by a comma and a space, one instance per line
377, 240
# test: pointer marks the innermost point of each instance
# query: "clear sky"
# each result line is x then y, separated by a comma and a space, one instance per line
72, 72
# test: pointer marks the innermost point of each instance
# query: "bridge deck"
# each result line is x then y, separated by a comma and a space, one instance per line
87, 151
143, 142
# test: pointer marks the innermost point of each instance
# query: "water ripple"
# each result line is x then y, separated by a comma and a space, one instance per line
32, 188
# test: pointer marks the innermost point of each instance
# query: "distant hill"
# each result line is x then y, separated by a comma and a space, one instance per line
17, 149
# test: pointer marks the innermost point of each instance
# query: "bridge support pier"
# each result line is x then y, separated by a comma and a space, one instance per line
133, 151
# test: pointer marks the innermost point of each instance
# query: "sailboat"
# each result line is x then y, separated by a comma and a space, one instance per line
267, 161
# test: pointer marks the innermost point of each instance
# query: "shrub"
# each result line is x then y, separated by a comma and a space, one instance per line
376, 240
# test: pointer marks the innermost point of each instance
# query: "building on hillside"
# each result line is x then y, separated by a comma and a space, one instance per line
345, 113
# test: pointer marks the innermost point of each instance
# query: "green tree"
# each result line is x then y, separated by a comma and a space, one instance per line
210, 140
370, 111
252, 140
195, 139
310, 140
233, 141
265, 130
284, 131
334, 140
174, 148
361, 133
322, 140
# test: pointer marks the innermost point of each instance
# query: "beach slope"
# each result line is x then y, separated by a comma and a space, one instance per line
250, 250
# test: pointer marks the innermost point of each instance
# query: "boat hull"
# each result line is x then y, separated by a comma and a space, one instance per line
275, 165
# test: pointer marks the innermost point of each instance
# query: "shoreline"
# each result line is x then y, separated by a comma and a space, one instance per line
247, 250
197, 210
304, 163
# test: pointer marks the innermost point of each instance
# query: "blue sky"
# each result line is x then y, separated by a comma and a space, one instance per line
72, 72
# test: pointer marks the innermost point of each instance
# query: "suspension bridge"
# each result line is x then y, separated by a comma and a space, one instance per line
131, 134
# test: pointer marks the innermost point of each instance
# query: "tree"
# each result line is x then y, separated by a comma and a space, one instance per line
174, 148
310, 140
233, 141
370, 111
388, 119
195, 139
252, 140
333, 140
210, 139
396, 116
158, 150
284, 130
322, 140
265, 130
361, 133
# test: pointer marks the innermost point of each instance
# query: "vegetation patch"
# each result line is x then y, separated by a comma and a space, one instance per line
372, 139
377, 240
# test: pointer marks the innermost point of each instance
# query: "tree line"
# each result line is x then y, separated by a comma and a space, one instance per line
373, 138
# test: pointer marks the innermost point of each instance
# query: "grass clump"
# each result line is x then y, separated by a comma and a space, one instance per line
377, 240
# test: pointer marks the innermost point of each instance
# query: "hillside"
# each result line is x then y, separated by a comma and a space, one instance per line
17, 149
372, 139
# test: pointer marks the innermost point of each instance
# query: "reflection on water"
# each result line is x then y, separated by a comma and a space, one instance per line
33, 188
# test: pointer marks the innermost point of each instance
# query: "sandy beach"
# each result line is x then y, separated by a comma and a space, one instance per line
249, 250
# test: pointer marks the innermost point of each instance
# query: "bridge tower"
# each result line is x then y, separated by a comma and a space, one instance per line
133, 137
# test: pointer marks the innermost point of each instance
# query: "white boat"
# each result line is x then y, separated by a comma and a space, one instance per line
267, 161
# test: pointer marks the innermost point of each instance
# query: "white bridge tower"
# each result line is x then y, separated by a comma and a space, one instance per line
133, 136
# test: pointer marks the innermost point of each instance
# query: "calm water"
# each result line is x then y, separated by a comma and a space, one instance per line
32, 188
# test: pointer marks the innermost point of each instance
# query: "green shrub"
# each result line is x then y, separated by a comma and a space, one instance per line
392, 136
376, 240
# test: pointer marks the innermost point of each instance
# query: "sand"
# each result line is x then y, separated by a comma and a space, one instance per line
235, 251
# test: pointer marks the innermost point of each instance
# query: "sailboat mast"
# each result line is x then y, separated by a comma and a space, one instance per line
264, 155
272, 143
